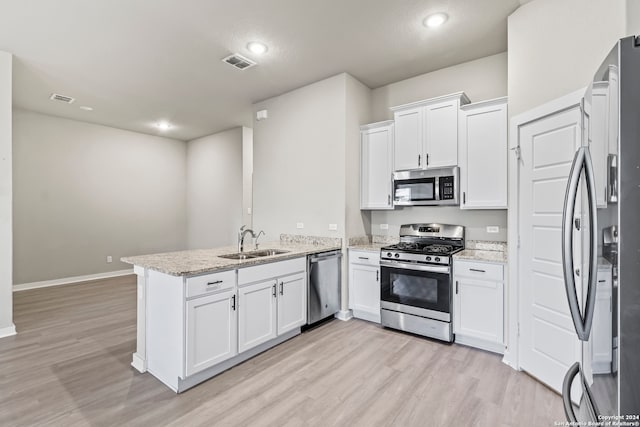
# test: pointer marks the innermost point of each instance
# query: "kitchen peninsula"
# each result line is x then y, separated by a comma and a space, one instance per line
200, 312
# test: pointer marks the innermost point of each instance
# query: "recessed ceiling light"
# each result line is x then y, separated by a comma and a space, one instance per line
86, 108
163, 125
257, 48
435, 20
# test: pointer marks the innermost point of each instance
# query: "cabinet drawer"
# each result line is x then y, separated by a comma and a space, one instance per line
210, 283
364, 257
274, 269
479, 270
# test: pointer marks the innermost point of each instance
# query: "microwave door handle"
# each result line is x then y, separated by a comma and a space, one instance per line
436, 190
568, 211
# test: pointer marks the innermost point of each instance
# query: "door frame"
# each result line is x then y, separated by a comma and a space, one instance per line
513, 313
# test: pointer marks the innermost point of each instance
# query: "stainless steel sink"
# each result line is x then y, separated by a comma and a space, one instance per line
254, 254
268, 252
237, 256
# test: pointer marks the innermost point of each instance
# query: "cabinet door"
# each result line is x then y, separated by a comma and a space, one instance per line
211, 331
376, 168
408, 139
441, 134
483, 157
479, 309
364, 285
256, 314
292, 302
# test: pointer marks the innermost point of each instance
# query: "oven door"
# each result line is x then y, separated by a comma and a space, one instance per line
416, 289
418, 191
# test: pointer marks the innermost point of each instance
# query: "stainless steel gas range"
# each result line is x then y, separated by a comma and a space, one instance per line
416, 279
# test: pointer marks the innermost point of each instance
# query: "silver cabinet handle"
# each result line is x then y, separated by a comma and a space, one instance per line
419, 158
281, 288
362, 257
464, 197
274, 290
233, 304
217, 282
477, 270
427, 159
581, 161
566, 392
377, 275
389, 199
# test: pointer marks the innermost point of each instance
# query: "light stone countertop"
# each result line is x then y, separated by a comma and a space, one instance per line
201, 261
368, 247
479, 250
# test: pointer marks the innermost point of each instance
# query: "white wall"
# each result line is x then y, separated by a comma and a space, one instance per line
555, 46
299, 161
247, 176
84, 191
358, 112
6, 248
214, 189
482, 79
633, 17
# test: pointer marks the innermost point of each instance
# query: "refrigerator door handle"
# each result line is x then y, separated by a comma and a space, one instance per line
593, 248
567, 240
566, 392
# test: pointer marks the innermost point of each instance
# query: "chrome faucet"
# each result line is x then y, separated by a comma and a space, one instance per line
256, 237
241, 235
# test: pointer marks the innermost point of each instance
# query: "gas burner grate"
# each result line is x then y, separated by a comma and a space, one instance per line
438, 249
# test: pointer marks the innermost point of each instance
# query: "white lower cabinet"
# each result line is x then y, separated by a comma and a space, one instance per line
211, 331
292, 302
272, 306
364, 285
257, 314
478, 316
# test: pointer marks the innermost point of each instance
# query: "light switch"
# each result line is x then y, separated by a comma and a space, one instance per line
493, 229
109, 259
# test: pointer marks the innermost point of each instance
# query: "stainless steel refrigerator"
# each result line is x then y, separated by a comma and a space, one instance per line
601, 226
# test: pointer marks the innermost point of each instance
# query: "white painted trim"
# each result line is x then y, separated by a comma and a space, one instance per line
139, 363
69, 280
493, 347
8, 331
461, 96
486, 103
344, 315
511, 354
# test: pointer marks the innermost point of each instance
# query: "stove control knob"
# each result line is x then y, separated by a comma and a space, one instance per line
437, 259
397, 255
428, 258
389, 254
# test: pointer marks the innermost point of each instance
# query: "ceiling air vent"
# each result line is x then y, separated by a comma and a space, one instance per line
238, 61
61, 98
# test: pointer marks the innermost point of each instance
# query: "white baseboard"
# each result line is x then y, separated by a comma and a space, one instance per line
344, 315
68, 280
8, 331
139, 363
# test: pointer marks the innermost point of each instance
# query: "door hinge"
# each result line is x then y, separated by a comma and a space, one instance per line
517, 152
518, 244
518, 328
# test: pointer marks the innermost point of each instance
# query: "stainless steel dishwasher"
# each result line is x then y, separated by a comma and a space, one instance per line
323, 285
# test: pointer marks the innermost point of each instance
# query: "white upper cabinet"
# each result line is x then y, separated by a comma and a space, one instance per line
376, 156
483, 155
426, 133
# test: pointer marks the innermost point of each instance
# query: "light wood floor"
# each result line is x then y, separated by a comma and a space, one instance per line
69, 365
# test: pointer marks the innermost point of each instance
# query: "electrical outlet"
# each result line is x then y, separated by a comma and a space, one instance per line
109, 259
493, 229
299, 225
384, 226
333, 227
248, 211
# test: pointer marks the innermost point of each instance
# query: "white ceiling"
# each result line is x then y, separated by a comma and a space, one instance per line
140, 61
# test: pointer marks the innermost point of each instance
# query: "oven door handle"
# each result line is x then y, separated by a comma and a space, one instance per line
418, 267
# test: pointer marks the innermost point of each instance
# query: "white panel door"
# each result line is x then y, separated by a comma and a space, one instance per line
408, 139
292, 302
256, 314
364, 285
548, 341
212, 335
441, 134
376, 168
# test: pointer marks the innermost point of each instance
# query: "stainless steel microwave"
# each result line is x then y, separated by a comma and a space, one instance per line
430, 187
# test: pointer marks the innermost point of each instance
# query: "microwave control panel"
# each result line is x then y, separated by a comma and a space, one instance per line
446, 188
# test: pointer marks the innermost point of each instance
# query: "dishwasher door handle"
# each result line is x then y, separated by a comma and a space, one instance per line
316, 258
